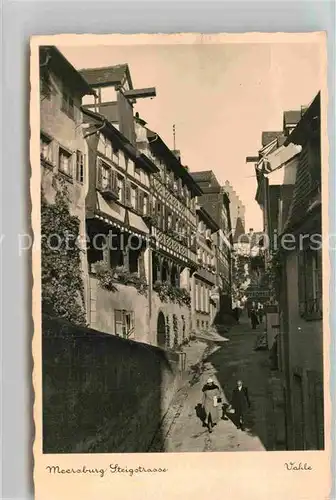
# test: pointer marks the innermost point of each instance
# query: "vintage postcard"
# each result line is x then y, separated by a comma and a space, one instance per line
179, 190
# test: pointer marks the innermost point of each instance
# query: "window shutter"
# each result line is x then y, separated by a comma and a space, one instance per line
141, 201
118, 317
99, 173
128, 193
301, 281
308, 273
114, 181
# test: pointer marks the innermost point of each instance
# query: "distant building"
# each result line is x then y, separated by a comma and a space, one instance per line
237, 208
217, 204
204, 307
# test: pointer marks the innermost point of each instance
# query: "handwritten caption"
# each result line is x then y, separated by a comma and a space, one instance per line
102, 472
295, 466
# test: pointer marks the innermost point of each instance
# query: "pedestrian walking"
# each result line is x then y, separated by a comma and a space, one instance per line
260, 313
254, 319
211, 403
240, 402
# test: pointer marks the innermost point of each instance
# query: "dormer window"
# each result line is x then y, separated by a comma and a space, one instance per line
65, 164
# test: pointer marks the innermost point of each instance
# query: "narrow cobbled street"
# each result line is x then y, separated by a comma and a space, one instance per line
233, 359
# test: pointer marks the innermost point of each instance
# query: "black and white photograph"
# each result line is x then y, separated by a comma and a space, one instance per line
181, 246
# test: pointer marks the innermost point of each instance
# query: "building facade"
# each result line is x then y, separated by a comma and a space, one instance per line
292, 203
143, 198
204, 279
216, 202
63, 149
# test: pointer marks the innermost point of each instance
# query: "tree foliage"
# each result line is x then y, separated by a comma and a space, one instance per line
62, 280
240, 275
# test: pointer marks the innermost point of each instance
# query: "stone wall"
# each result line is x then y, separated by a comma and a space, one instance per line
102, 393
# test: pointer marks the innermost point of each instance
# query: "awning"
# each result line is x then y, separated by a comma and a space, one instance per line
117, 213
136, 222
283, 155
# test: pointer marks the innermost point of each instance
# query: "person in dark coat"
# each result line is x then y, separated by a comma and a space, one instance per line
240, 402
254, 319
210, 403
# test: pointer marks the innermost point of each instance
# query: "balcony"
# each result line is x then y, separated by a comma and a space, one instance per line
206, 275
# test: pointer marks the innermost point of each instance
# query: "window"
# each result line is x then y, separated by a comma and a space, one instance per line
68, 104
197, 323
107, 179
46, 148
145, 204
134, 197
64, 164
79, 166
310, 283
121, 188
124, 323
105, 170
170, 221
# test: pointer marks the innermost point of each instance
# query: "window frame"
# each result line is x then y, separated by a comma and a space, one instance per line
120, 324
62, 151
80, 166
49, 142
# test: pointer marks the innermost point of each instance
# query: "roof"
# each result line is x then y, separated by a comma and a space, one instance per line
205, 176
106, 75
267, 137
292, 117
308, 171
52, 58
206, 217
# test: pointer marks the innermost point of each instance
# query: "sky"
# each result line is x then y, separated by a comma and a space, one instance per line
219, 96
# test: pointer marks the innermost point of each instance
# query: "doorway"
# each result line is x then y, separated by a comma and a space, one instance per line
161, 330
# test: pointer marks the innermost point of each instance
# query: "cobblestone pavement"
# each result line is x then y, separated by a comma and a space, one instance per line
226, 362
